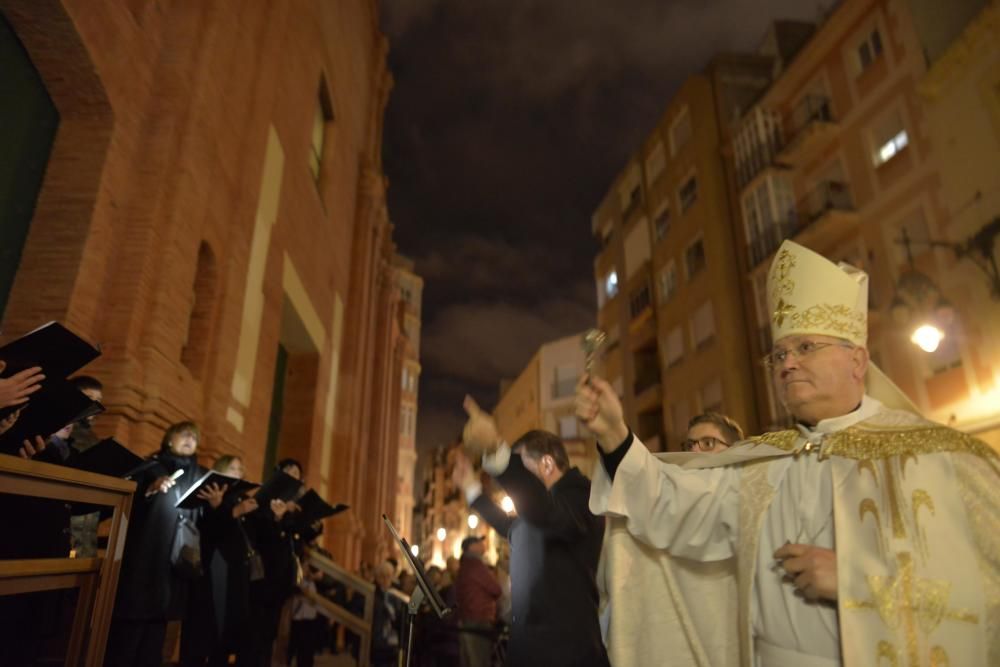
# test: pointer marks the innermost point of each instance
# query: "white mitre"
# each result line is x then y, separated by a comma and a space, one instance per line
809, 294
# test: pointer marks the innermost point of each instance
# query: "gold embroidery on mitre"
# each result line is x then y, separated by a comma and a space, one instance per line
781, 311
781, 284
835, 319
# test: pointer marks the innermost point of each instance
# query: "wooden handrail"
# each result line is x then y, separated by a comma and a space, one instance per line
95, 578
363, 625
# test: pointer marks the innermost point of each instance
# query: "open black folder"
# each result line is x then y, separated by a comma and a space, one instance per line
57, 404
233, 485
107, 457
279, 487
314, 508
57, 350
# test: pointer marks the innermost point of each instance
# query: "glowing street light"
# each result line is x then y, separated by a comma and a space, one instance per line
415, 550
507, 505
441, 534
473, 521
927, 337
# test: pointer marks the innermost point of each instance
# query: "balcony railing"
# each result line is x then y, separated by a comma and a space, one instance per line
826, 197
758, 159
811, 110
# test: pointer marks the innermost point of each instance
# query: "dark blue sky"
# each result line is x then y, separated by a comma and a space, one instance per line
506, 125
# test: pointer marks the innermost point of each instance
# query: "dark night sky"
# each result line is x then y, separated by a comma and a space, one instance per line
507, 123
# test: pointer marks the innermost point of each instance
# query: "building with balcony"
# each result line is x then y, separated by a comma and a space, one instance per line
542, 397
842, 154
668, 280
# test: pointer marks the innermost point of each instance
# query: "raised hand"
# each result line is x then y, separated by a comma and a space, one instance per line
598, 407
480, 435
16, 389
213, 493
811, 569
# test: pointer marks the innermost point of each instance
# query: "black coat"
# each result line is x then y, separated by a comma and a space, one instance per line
218, 611
148, 588
555, 545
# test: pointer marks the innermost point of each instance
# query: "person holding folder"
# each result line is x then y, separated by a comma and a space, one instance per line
152, 588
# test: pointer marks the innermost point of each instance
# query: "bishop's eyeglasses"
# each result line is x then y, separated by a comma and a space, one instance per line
778, 355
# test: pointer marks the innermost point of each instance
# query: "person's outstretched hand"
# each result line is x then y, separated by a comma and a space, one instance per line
480, 435
598, 407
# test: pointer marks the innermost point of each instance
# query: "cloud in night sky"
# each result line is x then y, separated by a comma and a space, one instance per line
505, 128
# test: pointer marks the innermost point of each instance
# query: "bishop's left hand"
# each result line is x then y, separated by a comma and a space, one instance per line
811, 569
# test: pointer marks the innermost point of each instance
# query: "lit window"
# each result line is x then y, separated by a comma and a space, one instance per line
674, 349
611, 284
889, 149
888, 137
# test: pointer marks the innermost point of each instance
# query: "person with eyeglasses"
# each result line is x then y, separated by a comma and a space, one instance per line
711, 432
865, 532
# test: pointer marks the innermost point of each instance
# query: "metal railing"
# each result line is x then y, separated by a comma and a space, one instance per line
825, 197
811, 110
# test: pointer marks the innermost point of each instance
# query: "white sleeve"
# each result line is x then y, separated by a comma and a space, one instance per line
690, 513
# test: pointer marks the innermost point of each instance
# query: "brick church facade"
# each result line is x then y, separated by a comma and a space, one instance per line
212, 213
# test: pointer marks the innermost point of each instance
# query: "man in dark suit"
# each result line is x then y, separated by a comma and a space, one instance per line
555, 542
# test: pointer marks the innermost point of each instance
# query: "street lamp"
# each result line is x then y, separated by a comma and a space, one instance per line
927, 337
506, 504
415, 550
441, 534
473, 521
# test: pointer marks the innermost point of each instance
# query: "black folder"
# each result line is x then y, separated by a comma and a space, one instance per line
57, 404
107, 457
315, 508
57, 350
280, 487
234, 485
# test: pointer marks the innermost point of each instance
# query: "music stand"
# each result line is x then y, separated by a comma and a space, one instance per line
423, 591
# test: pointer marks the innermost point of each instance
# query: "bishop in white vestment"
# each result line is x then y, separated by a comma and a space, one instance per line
865, 536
